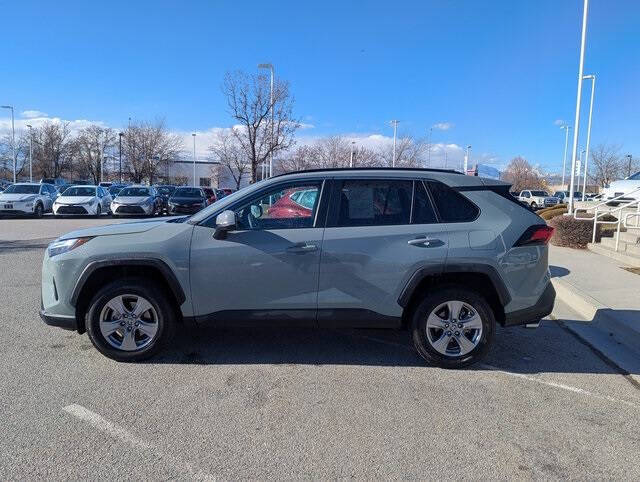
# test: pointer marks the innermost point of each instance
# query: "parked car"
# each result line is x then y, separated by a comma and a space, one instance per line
105, 184
210, 194
83, 201
537, 199
164, 193
563, 196
82, 182
136, 201
293, 203
56, 181
444, 255
114, 189
220, 193
625, 188
228, 191
187, 200
27, 198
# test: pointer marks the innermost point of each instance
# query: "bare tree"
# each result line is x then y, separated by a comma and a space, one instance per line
301, 159
329, 152
409, 152
606, 164
249, 103
90, 148
52, 149
22, 155
148, 148
228, 151
522, 175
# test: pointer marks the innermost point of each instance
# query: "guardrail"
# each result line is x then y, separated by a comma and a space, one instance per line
617, 213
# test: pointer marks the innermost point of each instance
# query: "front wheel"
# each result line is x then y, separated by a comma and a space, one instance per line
98, 211
130, 319
38, 211
534, 205
453, 327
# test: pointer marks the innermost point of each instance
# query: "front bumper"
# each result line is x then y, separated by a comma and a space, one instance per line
17, 208
542, 308
73, 209
174, 209
132, 209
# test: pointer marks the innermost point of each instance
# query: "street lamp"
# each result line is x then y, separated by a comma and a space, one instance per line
194, 159
30, 152
586, 159
395, 130
273, 74
576, 124
429, 158
120, 134
353, 143
13, 140
566, 143
628, 156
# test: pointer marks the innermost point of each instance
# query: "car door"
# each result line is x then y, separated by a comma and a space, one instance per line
267, 268
45, 197
379, 233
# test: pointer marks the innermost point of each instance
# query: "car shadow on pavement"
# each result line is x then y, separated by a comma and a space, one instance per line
558, 271
551, 348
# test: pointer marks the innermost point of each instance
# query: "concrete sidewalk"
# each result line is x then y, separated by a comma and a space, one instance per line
600, 290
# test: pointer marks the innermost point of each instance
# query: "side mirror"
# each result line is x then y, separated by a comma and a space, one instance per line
225, 221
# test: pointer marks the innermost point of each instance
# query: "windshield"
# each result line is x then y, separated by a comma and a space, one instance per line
80, 191
187, 192
22, 189
539, 193
113, 190
134, 191
165, 190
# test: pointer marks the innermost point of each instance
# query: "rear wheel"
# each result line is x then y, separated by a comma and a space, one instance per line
38, 210
534, 205
98, 211
130, 319
453, 327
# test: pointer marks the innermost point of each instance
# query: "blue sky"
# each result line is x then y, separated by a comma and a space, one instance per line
499, 72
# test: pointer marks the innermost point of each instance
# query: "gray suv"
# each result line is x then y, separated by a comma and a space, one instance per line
442, 254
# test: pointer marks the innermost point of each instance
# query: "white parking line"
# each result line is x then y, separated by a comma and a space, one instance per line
103, 425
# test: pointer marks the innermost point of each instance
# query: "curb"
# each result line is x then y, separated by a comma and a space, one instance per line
597, 314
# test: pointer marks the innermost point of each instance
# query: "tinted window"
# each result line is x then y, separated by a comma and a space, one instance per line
188, 192
80, 191
374, 203
452, 206
423, 212
134, 191
278, 209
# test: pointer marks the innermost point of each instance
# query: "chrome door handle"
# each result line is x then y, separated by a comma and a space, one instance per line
422, 241
302, 248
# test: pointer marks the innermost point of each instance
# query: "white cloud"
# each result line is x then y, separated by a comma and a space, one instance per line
33, 114
443, 126
559, 122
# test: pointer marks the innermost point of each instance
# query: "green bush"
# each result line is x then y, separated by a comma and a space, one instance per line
570, 232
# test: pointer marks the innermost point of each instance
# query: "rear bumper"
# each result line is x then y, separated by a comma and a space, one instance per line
542, 308
64, 322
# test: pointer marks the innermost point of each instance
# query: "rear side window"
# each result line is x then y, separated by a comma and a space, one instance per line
374, 202
423, 212
452, 206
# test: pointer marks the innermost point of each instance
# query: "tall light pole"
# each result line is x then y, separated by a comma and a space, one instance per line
353, 143
395, 131
30, 152
586, 159
566, 143
194, 159
273, 74
466, 160
120, 134
13, 140
628, 156
429, 158
576, 124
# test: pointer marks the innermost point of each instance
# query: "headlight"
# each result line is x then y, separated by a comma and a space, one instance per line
59, 247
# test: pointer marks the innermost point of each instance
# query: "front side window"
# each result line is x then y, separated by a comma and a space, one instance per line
452, 206
290, 207
374, 202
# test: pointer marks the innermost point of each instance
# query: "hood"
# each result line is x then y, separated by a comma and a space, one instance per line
111, 229
186, 200
17, 197
74, 199
131, 199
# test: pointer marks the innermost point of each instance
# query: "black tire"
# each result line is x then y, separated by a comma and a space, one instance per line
98, 211
156, 296
38, 211
431, 302
534, 206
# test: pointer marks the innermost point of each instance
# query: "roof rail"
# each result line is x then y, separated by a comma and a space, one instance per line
330, 169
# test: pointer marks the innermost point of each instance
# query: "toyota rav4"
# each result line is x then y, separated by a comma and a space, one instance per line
444, 255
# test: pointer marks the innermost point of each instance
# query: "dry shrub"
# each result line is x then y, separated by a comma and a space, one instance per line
570, 232
550, 213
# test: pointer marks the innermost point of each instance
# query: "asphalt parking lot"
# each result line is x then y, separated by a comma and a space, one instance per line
286, 403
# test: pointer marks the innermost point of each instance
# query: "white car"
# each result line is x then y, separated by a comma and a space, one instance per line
537, 199
136, 201
624, 187
27, 198
83, 201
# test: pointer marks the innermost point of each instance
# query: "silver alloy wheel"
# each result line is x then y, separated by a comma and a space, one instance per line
454, 328
128, 322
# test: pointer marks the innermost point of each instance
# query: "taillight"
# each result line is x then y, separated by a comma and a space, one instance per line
535, 235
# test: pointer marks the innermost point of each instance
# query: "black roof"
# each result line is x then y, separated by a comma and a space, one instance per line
341, 169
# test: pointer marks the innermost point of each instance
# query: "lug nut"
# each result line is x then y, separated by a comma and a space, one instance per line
448, 333
446, 325
122, 323
459, 325
457, 333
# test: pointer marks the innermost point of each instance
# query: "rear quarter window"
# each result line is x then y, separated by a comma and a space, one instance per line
452, 206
